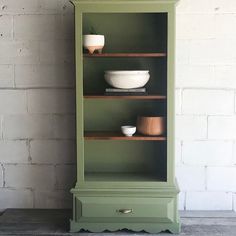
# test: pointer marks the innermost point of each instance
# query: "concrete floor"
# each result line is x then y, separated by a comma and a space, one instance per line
56, 222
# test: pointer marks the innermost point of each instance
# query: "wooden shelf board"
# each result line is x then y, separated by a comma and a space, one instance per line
123, 177
98, 135
140, 97
159, 54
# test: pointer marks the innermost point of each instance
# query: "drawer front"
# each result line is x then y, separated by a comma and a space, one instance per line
159, 209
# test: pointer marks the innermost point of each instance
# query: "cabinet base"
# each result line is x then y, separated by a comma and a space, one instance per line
137, 227
153, 212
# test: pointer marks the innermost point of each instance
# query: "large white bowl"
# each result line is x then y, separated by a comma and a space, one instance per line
128, 79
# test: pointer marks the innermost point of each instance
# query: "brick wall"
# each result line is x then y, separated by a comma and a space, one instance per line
205, 104
37, 112
37, 150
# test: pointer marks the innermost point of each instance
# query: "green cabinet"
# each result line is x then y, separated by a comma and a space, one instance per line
125, 182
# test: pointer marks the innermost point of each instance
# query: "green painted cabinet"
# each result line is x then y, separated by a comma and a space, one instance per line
125, 183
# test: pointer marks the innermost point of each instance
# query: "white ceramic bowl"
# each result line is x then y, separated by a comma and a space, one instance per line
128, 130
128, 79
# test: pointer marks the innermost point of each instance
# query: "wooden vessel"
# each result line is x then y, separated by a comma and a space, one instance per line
151, 125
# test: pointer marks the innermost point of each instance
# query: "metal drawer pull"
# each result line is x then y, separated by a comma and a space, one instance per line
125, 211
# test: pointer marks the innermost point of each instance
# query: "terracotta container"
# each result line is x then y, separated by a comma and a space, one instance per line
151, 125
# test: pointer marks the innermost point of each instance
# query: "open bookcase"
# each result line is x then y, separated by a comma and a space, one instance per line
125, 182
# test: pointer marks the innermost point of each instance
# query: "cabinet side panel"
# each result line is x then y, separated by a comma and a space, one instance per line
79, 95
170, 96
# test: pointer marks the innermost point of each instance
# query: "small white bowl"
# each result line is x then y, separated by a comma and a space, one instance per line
128, 130
127, 79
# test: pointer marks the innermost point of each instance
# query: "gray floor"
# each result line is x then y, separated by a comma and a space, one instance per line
55, 222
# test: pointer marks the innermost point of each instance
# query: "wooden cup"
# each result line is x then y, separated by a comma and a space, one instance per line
151, 125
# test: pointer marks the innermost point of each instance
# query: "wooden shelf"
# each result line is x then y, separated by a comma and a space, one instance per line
159, 54
122, 177
99, 135
132, 97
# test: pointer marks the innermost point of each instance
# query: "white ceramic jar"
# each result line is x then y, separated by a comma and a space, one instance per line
93, 42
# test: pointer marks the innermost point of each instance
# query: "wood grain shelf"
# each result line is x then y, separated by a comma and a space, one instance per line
158, 54
132, 97
99, 135
114, 177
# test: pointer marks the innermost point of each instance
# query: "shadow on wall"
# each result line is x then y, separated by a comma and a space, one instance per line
37, 105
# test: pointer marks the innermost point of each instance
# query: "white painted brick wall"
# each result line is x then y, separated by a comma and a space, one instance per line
222, 127
64, 126
37, 124
191, 177
14, 151
195, 76
53, 199
13, 102
221, 178
41, 76
50, 101
208, 102
37, 121
206, 126
6, 76
225, 7
181, 198
207, 153
196, 28
191, 127
178, 101
234, 202
27, 126
19, 52
35, 27
1, 176
190, 6
208, 201
29, 176
16, 198
65, 176
178, 152
6, 27
52, 151
234, 154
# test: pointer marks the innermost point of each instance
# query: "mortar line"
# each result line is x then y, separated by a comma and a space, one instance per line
28, 141
207, 134
2, 124
4, 175
232, 194
185, 200
234, 109
205, 173
13, 27
181, 151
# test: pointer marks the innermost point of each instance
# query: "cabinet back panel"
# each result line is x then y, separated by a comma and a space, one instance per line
126, 157
129, 32
111, 114
94, 68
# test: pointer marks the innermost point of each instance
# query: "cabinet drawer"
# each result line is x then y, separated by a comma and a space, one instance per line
122, 207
